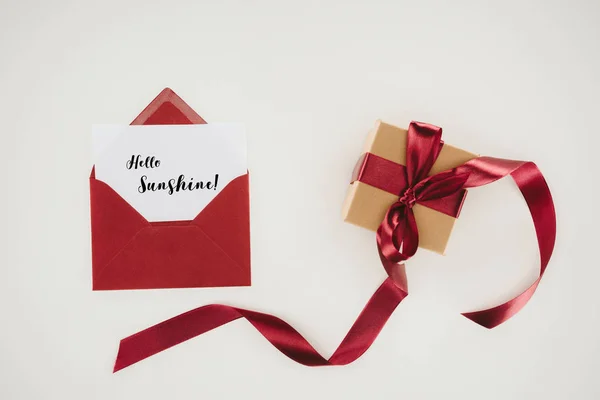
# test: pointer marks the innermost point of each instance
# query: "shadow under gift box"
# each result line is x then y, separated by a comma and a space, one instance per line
384, 160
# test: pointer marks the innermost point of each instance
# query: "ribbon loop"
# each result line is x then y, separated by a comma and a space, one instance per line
423, 146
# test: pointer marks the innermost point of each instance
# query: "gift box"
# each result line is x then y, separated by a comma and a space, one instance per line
379, 179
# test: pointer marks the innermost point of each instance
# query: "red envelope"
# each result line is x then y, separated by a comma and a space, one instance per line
129, 252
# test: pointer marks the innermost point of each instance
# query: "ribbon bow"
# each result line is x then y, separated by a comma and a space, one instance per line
398, 236
397, 240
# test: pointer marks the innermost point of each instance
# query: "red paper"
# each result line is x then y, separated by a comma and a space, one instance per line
213, 249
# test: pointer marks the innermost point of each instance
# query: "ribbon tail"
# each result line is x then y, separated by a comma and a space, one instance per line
171, 332
495, 316
535, 191
396, 272
279, 333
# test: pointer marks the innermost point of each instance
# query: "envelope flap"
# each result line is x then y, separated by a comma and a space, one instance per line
226, 221
168, 109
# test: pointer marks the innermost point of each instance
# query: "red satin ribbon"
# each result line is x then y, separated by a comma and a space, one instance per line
391, 177
281, 335
397, 240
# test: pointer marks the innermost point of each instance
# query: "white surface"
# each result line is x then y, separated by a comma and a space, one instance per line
513, 79
198, 152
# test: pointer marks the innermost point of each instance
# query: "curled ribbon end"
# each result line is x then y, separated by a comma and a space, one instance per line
119, 364
492, 317
122, 360
476, 317
117, 367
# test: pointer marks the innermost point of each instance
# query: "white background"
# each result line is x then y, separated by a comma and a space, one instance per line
514, 79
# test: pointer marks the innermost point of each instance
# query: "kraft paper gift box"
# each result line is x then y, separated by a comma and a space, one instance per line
366, 205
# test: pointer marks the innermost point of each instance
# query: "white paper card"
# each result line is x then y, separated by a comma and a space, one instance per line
169, 172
